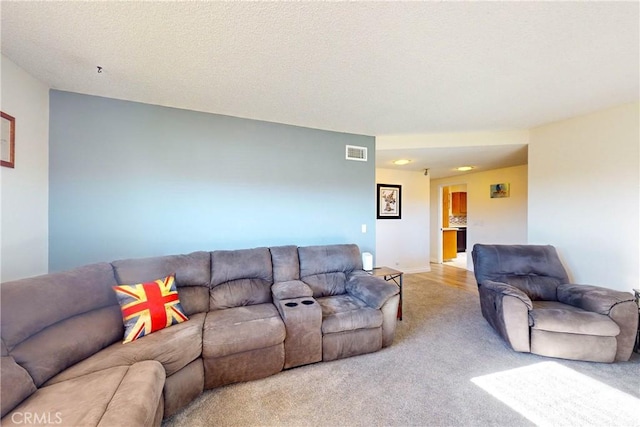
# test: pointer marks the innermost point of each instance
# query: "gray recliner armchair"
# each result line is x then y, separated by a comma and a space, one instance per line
525, 295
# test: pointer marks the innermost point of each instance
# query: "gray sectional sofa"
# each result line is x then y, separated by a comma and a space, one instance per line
252, 313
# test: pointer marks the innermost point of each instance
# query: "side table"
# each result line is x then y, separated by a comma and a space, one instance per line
389, 274
636, 293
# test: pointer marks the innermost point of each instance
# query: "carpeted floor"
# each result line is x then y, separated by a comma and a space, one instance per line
423, 379
584, 402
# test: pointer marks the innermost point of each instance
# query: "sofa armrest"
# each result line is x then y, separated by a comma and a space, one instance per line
290, 289
506, 308
591, 298
374, 291
506, 289
619, 306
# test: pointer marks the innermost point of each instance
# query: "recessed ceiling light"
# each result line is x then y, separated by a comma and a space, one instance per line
401, 162
464, 168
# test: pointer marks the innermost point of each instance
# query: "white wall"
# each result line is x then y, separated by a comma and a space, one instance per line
455, 139
404, 243
584, 195
24, 196
500, 221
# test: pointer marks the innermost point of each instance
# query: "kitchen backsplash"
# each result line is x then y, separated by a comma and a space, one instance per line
458, 220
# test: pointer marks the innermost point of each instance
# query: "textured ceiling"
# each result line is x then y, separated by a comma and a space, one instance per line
373, 68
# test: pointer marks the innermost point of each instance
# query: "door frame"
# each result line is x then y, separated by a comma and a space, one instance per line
440, 226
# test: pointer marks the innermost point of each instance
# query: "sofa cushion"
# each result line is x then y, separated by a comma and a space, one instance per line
346, 313
557, 317
240, 277
291, 289
192, 272
325, 268
68, 342
52, 321
534, 269
592, 298
535, 287
286, 265
173, 347
17, 385
240, 329
33, 304
374, 291
327, 284
494, 261
149, 307
97, 398
329, 258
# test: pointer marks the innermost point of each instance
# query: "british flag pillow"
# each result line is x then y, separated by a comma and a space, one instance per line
149, 307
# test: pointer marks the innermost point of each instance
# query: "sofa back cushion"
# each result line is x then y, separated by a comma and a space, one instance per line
286, 266
53, 321
240, 277
192, 273
17, 384
534, 269
325, 268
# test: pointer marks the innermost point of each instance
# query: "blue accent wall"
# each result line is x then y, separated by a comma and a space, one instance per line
136, 180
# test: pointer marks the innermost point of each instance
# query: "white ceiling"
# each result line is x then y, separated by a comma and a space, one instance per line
442, 161
372, 68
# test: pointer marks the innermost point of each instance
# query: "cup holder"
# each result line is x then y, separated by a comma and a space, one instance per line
291, 304
307, 302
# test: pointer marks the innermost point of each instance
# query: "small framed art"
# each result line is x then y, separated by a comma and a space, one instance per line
389, 201
7, 141
499, 190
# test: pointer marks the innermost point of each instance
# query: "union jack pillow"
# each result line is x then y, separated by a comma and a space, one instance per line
149, 307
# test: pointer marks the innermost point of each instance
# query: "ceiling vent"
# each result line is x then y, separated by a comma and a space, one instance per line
356, 153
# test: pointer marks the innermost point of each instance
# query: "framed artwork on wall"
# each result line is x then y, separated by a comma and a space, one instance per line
499, 190
7, 140
389, 201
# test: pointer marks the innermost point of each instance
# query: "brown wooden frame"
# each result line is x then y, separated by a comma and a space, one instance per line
9, 162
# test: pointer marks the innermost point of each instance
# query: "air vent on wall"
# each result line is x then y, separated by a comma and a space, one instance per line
356, 153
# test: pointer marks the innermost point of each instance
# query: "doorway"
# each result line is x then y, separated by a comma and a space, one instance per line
453, 219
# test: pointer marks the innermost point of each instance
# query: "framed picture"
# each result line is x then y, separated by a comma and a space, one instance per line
7, 141
389, 201
499, 190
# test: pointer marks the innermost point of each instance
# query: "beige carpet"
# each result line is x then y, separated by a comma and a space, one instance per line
550, 394
423, 379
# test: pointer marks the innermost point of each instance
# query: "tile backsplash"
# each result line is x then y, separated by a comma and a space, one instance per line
458, 220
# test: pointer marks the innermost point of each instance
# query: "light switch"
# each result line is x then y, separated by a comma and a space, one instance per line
364, 228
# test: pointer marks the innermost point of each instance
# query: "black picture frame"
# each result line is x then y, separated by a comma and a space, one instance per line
389, 201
